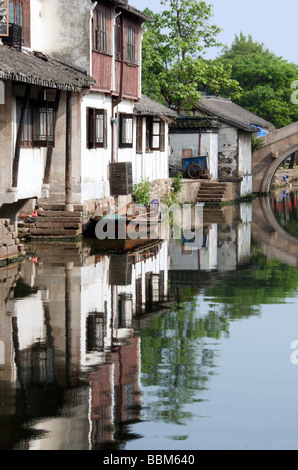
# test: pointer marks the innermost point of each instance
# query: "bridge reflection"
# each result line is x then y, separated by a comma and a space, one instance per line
276, 242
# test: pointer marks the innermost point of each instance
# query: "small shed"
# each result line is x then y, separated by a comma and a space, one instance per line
224, 130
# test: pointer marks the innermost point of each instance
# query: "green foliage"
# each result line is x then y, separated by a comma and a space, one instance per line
265, 283
265, 79
141, 193
173, 69
172, 196
177, 183
256, 143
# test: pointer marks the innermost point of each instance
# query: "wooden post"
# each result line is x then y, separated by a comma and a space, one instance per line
68, 163
16, 161
47, 172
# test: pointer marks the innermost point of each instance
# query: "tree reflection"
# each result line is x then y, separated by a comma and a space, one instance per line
177, 361
179, 349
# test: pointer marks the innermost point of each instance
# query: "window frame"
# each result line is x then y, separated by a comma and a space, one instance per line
130, 44
150, 134
129, 142
46, 110
35, 110
100, 43
18, 7
92, 115
139, 134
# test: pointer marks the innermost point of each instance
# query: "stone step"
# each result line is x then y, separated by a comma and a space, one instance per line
57, 225
213, 186
210, 199
51, 213
76, 220
58, 207
55, 233
211, 193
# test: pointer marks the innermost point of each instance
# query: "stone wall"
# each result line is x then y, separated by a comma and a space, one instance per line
227, 152
10, 247
189, 192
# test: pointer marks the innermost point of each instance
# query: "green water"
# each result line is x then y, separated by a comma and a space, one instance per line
173, 348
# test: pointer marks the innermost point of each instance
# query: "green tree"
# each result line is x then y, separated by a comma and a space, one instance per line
264, 78
174, 70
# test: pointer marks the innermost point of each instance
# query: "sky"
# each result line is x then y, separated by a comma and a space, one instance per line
271, 23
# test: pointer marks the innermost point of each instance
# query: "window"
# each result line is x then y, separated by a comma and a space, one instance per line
130, 44
118, 39
126, 130
100, 31
139, 146
39, 121
43, 125
96, 128
148, 134
155, 134
16, 12
95, 332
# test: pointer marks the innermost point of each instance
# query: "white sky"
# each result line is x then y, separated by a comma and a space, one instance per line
273, 23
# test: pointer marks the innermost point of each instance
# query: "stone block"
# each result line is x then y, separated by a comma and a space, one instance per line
12, 251
3, 252
8, 240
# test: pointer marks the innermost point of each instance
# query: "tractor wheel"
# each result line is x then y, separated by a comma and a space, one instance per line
194, 171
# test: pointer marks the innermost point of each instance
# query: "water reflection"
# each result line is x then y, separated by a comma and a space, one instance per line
92, 344
285, 207
67, 320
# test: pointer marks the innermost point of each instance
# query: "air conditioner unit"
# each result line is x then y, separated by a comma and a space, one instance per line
14, 39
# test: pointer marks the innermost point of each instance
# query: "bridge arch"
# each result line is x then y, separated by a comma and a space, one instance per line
272, 169
277, 146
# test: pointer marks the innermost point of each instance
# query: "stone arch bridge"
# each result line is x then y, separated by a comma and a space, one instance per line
278, 145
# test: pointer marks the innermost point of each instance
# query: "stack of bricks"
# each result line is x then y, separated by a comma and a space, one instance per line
10, 247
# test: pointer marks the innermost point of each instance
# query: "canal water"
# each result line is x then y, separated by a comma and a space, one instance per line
181, 345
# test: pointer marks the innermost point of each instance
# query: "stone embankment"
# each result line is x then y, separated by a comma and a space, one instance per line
10, 247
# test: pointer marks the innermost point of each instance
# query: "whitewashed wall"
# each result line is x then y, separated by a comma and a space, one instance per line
94, 163
209, 146
244, 163
54, 30
31, 172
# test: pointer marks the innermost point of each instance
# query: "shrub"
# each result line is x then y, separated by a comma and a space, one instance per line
141, 193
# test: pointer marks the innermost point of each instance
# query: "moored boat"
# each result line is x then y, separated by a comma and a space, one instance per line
135, 222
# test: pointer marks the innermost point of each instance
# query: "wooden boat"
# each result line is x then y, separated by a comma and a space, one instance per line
132, 223
120, 245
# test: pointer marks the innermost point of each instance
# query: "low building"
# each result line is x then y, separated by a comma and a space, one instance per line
38, 93
221, 130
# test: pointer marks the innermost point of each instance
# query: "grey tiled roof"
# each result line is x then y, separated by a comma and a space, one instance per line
38, 69
148, 107
230, 112
125, 6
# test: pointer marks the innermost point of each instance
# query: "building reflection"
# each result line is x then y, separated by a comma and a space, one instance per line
223, 247
70, 362
67, 322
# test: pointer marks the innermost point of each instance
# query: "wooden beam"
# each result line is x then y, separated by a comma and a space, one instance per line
68, 157
47, 172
